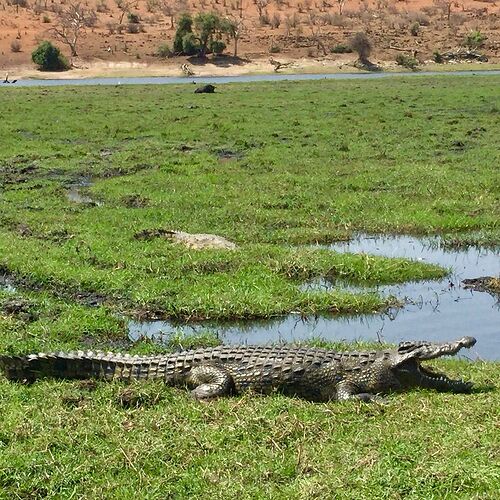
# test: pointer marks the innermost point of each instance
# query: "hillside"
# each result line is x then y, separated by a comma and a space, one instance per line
287, 30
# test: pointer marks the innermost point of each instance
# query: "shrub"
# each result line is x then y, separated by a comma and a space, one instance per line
341, 48
164, 51
102, 6
184, 27
190, 45
46, 19
15, 46
264, 19
362, 45
420, 18
275, 21
474, 40
415, 29
437, 56
133, 28
133, 18
407, 61
49, 58
217, 47
274, 49
112, 27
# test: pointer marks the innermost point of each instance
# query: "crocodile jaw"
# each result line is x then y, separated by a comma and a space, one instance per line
440, 382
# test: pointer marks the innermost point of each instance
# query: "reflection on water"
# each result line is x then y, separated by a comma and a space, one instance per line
6, 285
434, 310
75, 195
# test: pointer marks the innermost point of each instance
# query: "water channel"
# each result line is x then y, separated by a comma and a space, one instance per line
435, 310
276, 77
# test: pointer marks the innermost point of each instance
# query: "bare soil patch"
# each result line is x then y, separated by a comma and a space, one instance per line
299, 35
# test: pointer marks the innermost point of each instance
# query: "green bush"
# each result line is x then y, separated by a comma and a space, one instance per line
133, 18
217, 47
274, 49
190, 45
164, 51
49, 58
438, 57
184, 27
415, 29
474, 40
407, 61
362, 45
341, 48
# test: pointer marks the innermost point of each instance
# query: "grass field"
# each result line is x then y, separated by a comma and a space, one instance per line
273, 168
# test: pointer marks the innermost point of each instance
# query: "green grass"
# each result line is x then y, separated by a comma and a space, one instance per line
311, 162
111, 441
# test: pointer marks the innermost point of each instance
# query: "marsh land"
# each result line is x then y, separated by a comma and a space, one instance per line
91, 182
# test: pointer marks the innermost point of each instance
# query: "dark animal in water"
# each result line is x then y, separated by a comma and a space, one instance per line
206, 89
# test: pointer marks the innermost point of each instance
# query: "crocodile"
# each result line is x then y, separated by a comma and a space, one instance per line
312, 373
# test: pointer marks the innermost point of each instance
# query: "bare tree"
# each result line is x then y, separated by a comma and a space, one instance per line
341, 4
125, 6
445, 6
261, 5
18, 3
72, 23
315, 25
173, 8
234, 27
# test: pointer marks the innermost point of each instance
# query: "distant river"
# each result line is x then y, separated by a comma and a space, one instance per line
166, 80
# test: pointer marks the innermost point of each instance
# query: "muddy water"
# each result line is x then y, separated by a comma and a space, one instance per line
165, 80
6, 285
434, 310
74, 193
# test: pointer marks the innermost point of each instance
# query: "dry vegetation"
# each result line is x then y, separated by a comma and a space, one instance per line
133, 30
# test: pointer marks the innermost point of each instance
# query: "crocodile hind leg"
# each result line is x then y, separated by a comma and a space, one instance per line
210, 381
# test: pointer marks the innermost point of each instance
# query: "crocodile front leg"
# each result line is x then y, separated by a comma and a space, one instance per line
210, 381
346, 390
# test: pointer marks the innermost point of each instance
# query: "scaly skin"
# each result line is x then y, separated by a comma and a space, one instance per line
314, 374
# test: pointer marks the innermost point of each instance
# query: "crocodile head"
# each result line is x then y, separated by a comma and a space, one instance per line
408, 369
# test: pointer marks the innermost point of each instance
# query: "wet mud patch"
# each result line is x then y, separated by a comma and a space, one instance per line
135, 201
487, 284
186, 148
14, 282
150, 234
20, 308
23, 230
140, 396
28, 134
98, 344
18, 172
111, 172
225, 155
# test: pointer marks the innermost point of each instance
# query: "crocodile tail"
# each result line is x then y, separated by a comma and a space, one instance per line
73, 365
14, 367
